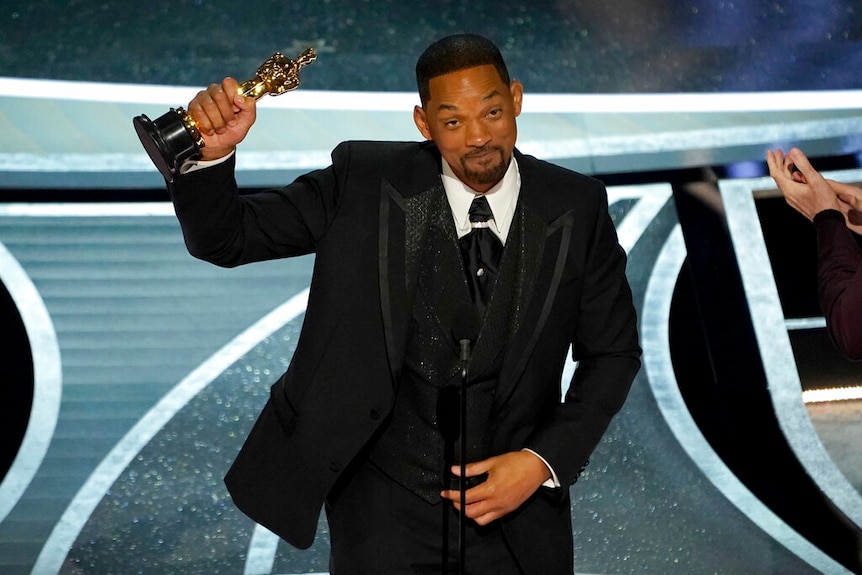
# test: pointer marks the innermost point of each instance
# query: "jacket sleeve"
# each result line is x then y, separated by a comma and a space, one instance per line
605, 343
839, 282
228, 229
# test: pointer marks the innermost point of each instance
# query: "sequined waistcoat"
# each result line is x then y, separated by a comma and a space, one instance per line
410, 449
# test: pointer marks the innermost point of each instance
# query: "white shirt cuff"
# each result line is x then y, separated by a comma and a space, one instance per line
195, 165
553, 482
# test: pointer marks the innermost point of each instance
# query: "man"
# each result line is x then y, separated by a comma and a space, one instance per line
355, 423
834, 209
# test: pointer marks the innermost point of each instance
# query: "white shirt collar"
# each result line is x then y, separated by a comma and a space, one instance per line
502, 198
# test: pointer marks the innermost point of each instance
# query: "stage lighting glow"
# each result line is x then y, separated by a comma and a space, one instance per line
832, 394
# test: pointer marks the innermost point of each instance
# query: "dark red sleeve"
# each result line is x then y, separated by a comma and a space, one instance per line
839, 280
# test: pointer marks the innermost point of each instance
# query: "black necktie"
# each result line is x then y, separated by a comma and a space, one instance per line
481, 250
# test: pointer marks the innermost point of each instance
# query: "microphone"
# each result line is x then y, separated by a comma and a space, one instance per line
465, 329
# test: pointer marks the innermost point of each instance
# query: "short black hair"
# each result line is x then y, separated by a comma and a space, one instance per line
454, 53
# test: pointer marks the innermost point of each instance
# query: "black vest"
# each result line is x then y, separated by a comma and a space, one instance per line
411, 448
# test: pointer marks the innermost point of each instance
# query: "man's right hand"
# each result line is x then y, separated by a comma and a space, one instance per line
223, 118
850, 204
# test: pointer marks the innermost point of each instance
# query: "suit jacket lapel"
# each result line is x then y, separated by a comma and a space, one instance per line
545, 248
405, 218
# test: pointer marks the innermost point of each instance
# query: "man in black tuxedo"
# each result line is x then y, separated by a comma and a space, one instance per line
355, 422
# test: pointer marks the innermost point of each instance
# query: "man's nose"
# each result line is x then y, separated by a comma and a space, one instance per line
478, 134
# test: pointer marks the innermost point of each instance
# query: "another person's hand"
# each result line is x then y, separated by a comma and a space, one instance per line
512, 478
850, 204
804, 188
223, 117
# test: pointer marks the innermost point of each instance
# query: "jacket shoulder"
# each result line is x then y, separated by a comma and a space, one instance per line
411, 167
551, 190
378, 151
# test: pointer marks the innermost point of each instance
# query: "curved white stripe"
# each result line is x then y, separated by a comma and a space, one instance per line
662, 381
91, 493
47, 381
87, 209
400, 101
689, 142
651, 198
782, 376
261, 552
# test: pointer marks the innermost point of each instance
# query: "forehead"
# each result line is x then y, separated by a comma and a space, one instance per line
461, 86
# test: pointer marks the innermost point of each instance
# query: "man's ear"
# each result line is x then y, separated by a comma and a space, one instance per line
421, 121
517, 91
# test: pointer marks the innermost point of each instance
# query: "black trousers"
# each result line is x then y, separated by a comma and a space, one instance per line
378, 527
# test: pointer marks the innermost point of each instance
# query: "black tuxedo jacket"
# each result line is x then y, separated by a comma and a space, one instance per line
340, 384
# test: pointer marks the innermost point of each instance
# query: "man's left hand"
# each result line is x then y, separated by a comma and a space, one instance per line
512, 478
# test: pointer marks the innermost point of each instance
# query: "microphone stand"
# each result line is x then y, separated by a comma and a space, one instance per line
465, 330
462, 483
446, 409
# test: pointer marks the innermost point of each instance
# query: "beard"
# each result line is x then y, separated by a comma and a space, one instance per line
489, 175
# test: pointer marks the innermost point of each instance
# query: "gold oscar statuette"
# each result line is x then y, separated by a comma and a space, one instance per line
173, 138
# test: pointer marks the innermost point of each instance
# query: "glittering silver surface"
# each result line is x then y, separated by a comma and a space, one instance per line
169, 511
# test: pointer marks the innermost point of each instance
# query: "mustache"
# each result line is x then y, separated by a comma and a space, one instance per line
482, 151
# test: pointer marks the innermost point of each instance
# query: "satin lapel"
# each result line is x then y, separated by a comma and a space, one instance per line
404, 225
548, 247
